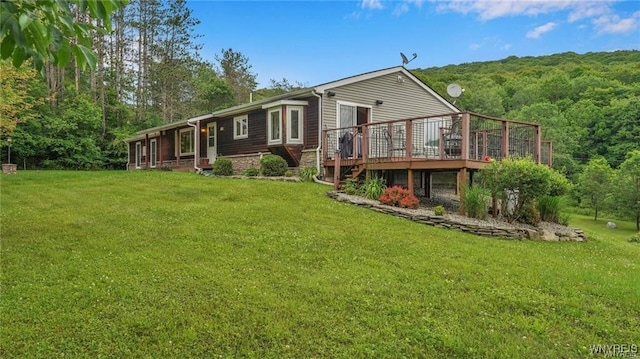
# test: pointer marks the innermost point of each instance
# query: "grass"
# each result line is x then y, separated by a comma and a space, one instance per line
163, 264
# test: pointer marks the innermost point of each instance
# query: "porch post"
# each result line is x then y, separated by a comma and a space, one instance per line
462, 185
365, 143
466, 138
336, 171
537, 143
196, 145
410, 181
505, 139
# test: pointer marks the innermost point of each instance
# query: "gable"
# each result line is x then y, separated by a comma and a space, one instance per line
402, 96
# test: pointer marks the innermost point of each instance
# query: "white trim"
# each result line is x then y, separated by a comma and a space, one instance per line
300, 133
352, 104
193, 145
285, 102
270, 129
153, 157
237, 122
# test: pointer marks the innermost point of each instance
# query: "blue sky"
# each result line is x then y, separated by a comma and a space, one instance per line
313, 42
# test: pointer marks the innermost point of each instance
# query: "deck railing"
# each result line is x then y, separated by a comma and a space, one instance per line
454, 136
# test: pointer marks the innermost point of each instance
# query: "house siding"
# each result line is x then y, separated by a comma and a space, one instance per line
400, 99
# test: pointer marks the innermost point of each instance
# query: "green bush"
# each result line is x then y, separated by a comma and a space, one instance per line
352, 187
223, 167
251, 172
439, 210
373, 187
307, 173
476, 202
529, 215
635, 238
549, 208
288, 173
521, 181
273, 166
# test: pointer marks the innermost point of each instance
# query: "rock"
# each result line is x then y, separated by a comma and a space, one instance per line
611, 225
549, 236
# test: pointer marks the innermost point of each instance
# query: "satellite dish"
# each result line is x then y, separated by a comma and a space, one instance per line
454, 90
405, 60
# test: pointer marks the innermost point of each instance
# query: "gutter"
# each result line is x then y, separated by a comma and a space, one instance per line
196, 144
313, 92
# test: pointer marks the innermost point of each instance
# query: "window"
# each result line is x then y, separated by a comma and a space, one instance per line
294, 124
138, 154
274, 127
240, 127
153, 146
186, 141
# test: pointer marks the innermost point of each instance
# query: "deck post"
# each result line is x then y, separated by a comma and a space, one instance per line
410, 181
466, 138
365, 143
336, 171
537, 145
505, 139
462, 185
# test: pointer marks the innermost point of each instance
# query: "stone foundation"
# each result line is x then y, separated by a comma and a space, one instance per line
242, 162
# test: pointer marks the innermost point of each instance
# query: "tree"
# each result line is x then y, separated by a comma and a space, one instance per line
595, 182
237, 72
518, 182
46, 30
627, 190
16, 103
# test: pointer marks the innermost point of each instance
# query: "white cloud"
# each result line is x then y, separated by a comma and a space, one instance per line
401, 9
614, 24
372, 4
589, 9
493, 9
538, 31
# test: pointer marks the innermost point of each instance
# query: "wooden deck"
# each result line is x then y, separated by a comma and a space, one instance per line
454, 142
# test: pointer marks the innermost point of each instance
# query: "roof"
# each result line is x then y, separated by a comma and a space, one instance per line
320, 89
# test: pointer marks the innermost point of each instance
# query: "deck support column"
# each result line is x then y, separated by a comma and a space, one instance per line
462, 185
505, 139
410, 182
336, 171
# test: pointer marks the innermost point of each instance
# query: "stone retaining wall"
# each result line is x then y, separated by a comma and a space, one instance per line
477, 229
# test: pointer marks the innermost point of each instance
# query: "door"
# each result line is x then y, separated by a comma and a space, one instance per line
212, 142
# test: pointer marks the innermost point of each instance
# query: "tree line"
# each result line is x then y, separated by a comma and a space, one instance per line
107, 70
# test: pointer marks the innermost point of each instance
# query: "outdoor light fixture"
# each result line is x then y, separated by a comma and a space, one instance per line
331, 93
379, 102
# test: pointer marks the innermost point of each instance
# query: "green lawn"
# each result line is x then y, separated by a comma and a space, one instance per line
164, 264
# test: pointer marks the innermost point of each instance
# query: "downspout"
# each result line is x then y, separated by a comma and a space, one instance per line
313, 92
196, 144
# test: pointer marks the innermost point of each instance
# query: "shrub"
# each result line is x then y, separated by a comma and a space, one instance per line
399, 197
273, 166
635, 238
251, 172
549, 208
351, 187
521, 181
307, 173
373, 187
439, 210
529, 215
475, 202
288, 173
223, 167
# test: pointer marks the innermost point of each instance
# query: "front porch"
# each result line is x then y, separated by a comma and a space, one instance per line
454, 142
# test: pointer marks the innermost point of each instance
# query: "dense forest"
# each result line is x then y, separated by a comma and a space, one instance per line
148, 71
588, 104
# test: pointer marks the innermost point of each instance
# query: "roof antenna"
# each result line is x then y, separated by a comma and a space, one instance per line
405, 60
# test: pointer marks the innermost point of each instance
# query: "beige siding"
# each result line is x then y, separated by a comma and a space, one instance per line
401, 99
